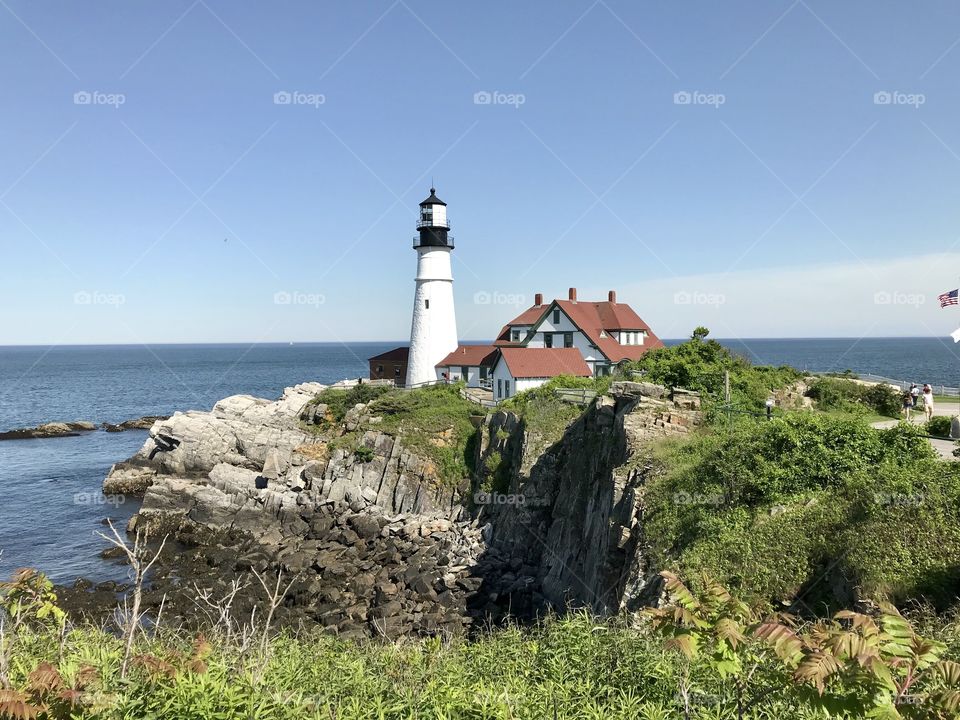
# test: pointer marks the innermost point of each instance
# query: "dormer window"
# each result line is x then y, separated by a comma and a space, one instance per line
556, 316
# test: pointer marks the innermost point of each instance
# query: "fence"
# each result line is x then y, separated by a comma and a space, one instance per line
942, 390
483, 396
578, 396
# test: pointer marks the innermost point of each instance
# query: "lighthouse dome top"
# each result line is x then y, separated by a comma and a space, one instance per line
433, 199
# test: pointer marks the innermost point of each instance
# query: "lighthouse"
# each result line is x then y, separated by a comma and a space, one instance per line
433, 332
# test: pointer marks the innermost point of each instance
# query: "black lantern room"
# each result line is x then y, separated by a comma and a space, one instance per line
433, 224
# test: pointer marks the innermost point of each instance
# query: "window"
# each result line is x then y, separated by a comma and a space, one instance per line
426, 304
396, 370
484, 373
379, 369
515, 336
506, 387
548, 340
464, 372
556, 316
500, 387
568, 340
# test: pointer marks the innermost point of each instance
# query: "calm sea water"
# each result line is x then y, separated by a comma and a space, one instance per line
50, 502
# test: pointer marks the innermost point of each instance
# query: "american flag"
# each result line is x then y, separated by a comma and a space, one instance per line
949, 298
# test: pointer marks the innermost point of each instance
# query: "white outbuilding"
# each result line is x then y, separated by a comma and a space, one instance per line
516, 369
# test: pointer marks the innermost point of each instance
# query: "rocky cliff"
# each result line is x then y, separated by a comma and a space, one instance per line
376, 542
574, 509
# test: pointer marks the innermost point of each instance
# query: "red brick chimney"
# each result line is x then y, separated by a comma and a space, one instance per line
538, 299
612, 296
572, 296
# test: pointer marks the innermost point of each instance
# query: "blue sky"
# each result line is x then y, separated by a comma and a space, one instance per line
766, 169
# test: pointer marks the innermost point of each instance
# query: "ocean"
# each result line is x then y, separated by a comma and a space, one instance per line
52, 509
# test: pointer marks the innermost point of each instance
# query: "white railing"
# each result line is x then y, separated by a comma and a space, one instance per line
942, 390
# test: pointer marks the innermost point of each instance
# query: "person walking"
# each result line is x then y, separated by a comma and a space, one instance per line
907, 405
915, 394
928, 402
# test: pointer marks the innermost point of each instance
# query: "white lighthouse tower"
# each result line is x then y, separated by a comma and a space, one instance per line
433, 333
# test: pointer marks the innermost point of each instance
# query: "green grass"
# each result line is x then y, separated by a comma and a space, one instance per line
432, 421
576, 667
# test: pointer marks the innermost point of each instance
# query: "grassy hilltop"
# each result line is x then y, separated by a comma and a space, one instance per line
817, 566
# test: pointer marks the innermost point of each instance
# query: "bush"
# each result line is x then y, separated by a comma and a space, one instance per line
812, 504
339, 400
364, 454
700, 364
939, 426
832, 393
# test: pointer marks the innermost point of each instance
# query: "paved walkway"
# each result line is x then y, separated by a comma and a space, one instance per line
944, 448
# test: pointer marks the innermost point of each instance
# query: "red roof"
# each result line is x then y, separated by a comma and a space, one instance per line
397, 354
594, 317
528, 317
591, 318
470, 355
544, 362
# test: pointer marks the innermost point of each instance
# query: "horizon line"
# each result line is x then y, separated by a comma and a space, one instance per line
287, 343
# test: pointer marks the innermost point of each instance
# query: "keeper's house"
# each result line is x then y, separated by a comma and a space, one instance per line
605, 333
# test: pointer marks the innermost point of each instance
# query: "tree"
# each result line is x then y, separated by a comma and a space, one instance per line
700, 333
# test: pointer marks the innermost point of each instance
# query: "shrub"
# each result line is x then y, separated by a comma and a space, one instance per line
833, 393
364, 454
939, 426
700, 364
339, 400
773, 508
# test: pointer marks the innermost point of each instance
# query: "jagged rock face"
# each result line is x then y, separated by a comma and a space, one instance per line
379, 546
575, 510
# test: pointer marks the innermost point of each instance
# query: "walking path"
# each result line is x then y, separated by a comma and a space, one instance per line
944, 448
